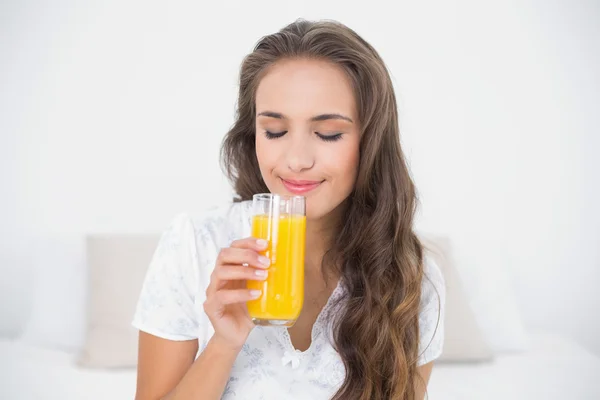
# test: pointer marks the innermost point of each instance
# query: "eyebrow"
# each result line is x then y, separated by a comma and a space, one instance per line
322, 117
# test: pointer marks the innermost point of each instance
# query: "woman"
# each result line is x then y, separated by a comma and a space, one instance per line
316, 115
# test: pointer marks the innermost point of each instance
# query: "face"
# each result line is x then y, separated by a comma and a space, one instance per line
307, 133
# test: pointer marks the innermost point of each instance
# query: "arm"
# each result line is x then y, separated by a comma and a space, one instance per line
167, 370
424, 373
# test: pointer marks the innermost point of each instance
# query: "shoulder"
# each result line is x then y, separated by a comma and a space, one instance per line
202, 235
222, 224
179, 272
223, 215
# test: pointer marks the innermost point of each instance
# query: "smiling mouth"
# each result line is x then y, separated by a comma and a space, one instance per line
300, 187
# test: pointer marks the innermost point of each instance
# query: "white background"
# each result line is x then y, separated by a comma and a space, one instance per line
112, 114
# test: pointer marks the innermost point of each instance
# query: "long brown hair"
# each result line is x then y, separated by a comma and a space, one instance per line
375, 252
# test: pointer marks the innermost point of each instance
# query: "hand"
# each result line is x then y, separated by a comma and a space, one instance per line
226, 295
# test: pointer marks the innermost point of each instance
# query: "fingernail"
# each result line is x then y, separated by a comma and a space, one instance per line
261, 272
255, 293
264, 261
262, 243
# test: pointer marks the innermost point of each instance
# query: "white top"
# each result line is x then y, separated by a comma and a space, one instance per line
268, 367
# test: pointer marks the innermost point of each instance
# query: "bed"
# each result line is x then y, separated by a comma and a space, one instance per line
554, 368
32, 372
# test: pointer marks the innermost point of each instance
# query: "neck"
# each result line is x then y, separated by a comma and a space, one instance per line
320, 235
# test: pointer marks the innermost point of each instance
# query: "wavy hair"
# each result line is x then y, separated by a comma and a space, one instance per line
376, 253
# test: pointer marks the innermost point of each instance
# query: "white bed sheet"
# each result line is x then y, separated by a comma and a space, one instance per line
553, 369
30, 373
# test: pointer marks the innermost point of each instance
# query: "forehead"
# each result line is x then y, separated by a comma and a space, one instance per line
302, 88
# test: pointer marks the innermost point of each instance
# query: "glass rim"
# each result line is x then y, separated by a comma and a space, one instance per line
266, 196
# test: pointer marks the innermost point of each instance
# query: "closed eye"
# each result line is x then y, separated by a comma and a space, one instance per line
274, 135
329, 138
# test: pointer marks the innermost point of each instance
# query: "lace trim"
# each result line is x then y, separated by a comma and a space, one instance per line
320, 327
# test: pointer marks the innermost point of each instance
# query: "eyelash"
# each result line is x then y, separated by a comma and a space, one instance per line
326, 138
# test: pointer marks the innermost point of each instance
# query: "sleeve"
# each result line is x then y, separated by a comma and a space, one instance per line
167, 303
432, 312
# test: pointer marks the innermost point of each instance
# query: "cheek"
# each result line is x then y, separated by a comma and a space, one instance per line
262, 153
267, 158
345, 165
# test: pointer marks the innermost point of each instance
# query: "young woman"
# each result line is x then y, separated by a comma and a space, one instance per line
317, 116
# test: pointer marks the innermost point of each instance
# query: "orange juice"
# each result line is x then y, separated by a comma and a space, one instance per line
283, 291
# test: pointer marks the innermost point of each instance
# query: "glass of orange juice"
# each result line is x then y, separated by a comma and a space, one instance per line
281, 221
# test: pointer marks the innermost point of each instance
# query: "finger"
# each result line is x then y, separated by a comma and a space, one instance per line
238, 256
251, 243
236, 272
212, 286
226, 297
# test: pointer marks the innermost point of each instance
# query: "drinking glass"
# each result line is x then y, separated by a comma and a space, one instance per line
281, 221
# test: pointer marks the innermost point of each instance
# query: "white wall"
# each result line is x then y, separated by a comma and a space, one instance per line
112, 113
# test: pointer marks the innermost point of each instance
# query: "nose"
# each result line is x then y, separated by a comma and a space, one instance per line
299, 155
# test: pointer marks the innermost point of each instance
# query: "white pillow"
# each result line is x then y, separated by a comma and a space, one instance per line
464, 341
117, 267
57, 317
485, 278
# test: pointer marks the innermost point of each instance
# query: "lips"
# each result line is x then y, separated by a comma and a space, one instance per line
300, 187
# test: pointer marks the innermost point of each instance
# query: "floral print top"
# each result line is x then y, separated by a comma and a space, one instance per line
268, 366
